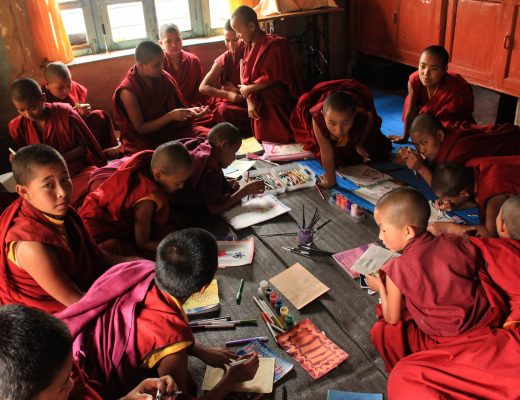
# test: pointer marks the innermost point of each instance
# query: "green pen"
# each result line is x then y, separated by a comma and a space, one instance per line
239, 293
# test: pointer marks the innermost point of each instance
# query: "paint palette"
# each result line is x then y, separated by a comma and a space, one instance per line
283, 178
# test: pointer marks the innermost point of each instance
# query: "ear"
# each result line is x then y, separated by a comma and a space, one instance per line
22, 191
157, 174
410, 232
501, 227
224, 144
440, 135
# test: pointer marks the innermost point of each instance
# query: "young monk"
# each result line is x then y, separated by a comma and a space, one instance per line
207, 182
129, 212
458, 144
185, 67
434, 90
269, 81
148, 105
60, 88
47, 258
337, 120
486, 183
144, 301
442, 281
222, 82
59, 126
30, 339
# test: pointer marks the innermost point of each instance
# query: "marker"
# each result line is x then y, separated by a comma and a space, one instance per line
262, 308
239, 293
214, 326
277, 329
239, 342
271, 331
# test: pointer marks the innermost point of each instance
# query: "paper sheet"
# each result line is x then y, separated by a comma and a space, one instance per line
346, 259
207, 298
373, 193
261, 383
438, 215
249, 145
237, 168
373, 259
363, 175
233, 253
254, 211
298, 285
8, 182
316, 353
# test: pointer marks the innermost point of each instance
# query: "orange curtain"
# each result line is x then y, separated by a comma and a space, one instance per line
233, 4
49, 33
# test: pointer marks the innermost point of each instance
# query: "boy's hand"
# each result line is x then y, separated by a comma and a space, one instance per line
245, 90
439, 228
476, 231
217, 357
374, 282
245, 371
147, 388
363, 153
443, 205
235, 97
325, 183
199, 112
181, 114
251, 112
414, 160
253, 188
84, 109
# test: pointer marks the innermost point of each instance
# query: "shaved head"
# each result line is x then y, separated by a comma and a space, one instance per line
147, 51
56, 70
168, 28
449, 179
510, 213
224, 132
405, 206
339, 102
440, 52
25, 89
245, 15
28, 159
171, 157
426, 123
227, 26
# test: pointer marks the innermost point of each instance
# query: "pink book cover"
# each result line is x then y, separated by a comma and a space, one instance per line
346, 259
286, 152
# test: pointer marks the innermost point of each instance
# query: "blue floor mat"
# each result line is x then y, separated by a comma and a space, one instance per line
389, 107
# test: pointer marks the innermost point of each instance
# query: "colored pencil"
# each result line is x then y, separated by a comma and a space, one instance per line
271, 331
214, 326
277, 328
319, 191
261, 307
271, 313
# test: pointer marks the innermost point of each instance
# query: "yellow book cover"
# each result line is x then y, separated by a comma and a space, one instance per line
200, 302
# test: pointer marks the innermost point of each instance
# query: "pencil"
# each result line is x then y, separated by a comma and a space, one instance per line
319, 191
239, 293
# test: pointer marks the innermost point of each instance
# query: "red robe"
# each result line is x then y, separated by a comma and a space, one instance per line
483, 366
309, 108
451, 103
225, 111
447, 294
466, 141
82, 386
269, 61
165, 96
98, 121
494, 176
188, 77
108, 212
80, 261
64, 130
503, 264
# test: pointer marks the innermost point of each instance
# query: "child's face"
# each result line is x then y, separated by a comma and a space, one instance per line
244, 31
394, 238
153, 68
49, 190
227, 153
431, 70
449, 203
231, 40
427, 144
61, 386
173, 182
30, 109
172, 43
339, 123
59, 87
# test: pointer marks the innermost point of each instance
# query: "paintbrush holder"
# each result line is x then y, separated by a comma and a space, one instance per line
305, 236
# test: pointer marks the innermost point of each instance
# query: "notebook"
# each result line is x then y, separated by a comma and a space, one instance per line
249, 145
364, 176
202, 303
286, 152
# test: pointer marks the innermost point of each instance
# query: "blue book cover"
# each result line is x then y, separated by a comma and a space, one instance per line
339, 395
281, 367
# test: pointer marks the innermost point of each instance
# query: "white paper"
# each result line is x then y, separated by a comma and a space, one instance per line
237, 168
373, 259
254, 211
8, 182
374, 193
363, 175
233, 253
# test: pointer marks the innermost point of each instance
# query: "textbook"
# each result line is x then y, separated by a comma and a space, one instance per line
286, 152
340, 395
202, 303
249, 145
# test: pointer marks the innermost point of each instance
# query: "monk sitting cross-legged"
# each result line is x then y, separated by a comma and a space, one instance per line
148, 105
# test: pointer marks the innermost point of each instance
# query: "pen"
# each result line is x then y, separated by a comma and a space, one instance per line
239, 293
239, 342
238, 362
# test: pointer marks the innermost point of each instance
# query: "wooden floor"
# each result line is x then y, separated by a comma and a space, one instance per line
345, 314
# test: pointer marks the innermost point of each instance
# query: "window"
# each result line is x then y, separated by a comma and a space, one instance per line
96, 26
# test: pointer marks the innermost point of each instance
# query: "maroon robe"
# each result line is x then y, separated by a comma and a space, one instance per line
98, 121
466, 141
80, 257
269, 61
309, 108
188, 77
494, 176
503, 264
108, 211
64, 130
164, 97
447, 294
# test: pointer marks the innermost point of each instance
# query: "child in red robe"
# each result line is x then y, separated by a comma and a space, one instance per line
31, 338
269, 81
60, 88
436, 292
47, 258
148, 105
457, 143
129, 213
59, 126
337, 120
132, 321
434, 90
207, 181
222, 83
486, 182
